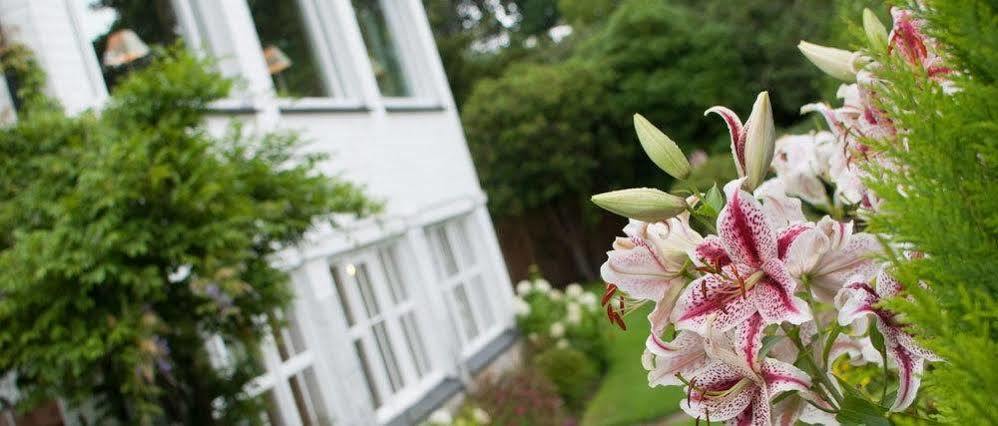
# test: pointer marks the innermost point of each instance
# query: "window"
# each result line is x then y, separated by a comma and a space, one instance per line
122, 31
296, 60
460, 273
383, 323
289, 387
382, 48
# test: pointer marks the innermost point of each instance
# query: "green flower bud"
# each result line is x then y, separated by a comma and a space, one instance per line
834, 62
760, 141
662, 150
644, 204
876, 32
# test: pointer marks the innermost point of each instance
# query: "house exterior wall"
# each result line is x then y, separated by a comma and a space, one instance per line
408, 152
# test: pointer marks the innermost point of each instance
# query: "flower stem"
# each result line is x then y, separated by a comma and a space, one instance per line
794, 335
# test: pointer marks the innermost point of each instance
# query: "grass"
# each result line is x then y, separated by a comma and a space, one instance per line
624, 397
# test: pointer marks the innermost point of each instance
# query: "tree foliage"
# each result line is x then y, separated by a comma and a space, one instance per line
941, 203
129, 236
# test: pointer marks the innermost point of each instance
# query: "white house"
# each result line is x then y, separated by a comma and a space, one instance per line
393, 315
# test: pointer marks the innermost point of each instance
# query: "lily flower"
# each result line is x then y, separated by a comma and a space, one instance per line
736, 385
751, 143
857, 301
829, 255
666, 362
743, 272
649, 263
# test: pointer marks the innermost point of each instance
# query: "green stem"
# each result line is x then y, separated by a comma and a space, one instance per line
809, 363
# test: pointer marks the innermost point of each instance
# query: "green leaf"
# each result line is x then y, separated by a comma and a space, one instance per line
768, 343
714, 199
859, 411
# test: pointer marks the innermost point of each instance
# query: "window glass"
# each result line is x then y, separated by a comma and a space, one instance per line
288, 48
464, 310
414, 340
388, 356
382, 48
122, 32
389, 262
446, 254
304, 388
366, 368
366, 288
341, 292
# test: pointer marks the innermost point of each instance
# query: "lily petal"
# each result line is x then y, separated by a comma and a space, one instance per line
711, 252
683, 355
737, 132
717, 376
711, 302
774, 296
744, 227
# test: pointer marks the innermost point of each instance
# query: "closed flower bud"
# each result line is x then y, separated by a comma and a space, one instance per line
644, 204
760, 139
834, 62
662, 150
876, 32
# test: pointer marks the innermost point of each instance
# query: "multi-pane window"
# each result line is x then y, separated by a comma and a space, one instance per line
382, 48
290, 387
293, 49
382, 320
460, 272
123, 31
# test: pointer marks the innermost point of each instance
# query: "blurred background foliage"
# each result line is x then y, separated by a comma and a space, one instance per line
547, 88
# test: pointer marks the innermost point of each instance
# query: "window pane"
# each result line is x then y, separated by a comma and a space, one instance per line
122, 31
306, 392
459, 230
381, 48
287, 335
464, 311
478, 286
388, 357
288, 49
444, 252
366, 289
272, 415
414, 339
342, 294
389, 261
366, 367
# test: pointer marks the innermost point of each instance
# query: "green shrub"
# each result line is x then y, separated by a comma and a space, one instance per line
127, 237
941, 202
551, 317
521, 397
571, 371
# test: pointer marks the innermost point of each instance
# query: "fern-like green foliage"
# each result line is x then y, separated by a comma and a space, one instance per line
128, 236
941, 201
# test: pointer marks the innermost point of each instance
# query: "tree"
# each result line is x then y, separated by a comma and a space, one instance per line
538, 140
127, 237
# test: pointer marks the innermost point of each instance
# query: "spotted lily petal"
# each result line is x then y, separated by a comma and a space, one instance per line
711, 302
730, 393
774, 296
683, 355
744, 227
737, 133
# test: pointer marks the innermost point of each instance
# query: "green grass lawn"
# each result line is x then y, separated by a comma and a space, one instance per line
624, 397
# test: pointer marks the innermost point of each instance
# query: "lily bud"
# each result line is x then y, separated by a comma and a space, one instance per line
876, 32
644, 204
760, 141
662, 150
834, 62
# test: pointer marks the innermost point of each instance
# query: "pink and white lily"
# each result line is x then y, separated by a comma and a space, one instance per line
744, 273
828, 254
859, 300
736, 385
665, 361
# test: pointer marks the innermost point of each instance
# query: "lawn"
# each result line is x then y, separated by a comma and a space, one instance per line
624, 397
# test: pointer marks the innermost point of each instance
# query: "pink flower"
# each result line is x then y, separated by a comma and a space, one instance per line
666, 361
857, 301
735, 385
828, 254
744, 272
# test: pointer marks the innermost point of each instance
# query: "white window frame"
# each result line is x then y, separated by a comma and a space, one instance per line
472, 274
401, 18
278, 373
360, 328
